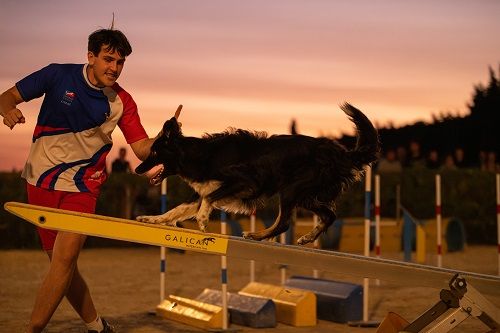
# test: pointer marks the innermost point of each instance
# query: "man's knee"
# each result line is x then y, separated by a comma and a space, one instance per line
67, 248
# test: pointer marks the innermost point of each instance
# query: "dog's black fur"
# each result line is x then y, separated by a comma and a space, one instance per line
235, 170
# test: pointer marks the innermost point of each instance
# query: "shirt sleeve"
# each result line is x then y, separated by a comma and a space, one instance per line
38, 83
130, 122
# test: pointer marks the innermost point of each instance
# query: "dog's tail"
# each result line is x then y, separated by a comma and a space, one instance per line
368, 144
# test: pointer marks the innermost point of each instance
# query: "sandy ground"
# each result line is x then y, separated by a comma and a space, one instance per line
125, 287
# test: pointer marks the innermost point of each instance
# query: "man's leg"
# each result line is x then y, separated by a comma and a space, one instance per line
78, 295
58, 281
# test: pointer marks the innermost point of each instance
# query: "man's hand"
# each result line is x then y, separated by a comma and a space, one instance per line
13, 117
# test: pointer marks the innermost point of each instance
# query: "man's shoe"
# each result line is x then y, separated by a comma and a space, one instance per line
107, 328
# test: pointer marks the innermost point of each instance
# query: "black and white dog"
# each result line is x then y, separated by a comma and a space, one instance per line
237, 169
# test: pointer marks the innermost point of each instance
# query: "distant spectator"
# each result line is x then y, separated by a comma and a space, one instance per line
459, 157
491, 162
389, 163
415, 158
293, 127
449, 162
402, 156
121, 165
482, 160
433, 160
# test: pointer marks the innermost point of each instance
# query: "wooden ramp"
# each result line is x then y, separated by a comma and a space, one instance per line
350, 264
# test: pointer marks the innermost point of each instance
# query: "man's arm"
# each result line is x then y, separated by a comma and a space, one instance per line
142, 148
8, 107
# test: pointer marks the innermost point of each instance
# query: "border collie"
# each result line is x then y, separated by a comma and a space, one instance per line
237, 170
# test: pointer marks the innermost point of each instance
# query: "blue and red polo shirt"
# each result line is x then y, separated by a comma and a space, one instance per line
72, 136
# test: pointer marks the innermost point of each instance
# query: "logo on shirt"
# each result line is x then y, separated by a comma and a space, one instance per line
68, 97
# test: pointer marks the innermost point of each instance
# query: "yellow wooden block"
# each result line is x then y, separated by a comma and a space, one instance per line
294, 307
191, 312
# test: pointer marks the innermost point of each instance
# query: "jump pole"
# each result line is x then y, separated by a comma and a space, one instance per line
366, 281
438, 222
252, 262
223, 258
402, 273
283, 267
316, 244
498, 219
163, 262
377, 219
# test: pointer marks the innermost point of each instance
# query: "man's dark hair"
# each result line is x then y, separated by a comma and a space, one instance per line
114, 39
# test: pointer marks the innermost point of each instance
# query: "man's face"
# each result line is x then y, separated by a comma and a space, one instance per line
104, 68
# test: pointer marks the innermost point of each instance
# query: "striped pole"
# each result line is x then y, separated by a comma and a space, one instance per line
438, 221
377, 216
498, 220
283, 267
368, 186
163, 262
316, 244
252, 262
223, 222
377, 220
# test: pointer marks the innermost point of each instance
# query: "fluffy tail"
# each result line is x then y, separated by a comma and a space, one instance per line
368, 144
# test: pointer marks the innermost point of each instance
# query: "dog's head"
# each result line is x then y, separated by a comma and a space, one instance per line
164, 152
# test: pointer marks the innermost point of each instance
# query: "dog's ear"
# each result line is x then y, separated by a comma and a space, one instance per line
171, 128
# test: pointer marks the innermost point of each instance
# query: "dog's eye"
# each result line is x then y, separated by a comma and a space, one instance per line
153, 153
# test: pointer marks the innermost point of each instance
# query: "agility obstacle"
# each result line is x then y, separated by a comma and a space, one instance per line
191, 240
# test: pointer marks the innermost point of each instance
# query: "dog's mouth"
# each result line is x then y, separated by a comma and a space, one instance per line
155, 172
158, 175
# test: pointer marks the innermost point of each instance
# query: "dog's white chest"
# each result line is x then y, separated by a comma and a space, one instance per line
204, 188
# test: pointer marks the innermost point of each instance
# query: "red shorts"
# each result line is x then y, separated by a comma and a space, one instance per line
83, 202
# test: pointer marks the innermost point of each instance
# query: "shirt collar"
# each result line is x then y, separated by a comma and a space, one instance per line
87, 78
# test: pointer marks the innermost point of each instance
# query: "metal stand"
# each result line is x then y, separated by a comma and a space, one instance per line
457, 304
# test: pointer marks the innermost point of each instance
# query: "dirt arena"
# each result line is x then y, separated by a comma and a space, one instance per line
125, 287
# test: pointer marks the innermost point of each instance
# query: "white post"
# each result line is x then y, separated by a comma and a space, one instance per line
368, 185
316, 244
498, 220
377, 220
252, 262
377, 215
163, 261
224, 275
438, 221
283, 266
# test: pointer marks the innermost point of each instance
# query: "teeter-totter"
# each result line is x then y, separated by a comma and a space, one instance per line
457, 303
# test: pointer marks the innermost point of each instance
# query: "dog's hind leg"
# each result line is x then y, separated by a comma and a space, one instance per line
279, 226
172, 217
326, 216
203, 214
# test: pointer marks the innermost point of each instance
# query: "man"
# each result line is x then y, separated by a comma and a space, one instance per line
66, 164
120, 164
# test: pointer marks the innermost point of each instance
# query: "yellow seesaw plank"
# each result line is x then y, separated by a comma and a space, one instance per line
345, 263
121, 229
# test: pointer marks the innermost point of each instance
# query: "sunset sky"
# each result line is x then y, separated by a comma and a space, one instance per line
258, 64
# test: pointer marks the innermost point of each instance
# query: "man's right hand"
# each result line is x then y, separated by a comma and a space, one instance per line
13, 117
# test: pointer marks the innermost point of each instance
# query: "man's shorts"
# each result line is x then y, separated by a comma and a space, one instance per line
83, 202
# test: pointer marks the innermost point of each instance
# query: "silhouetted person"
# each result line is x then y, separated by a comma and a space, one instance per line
402, 156
433, 160
389, 162
449, 163
491, 162
459, 158
121, 164
415, 158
